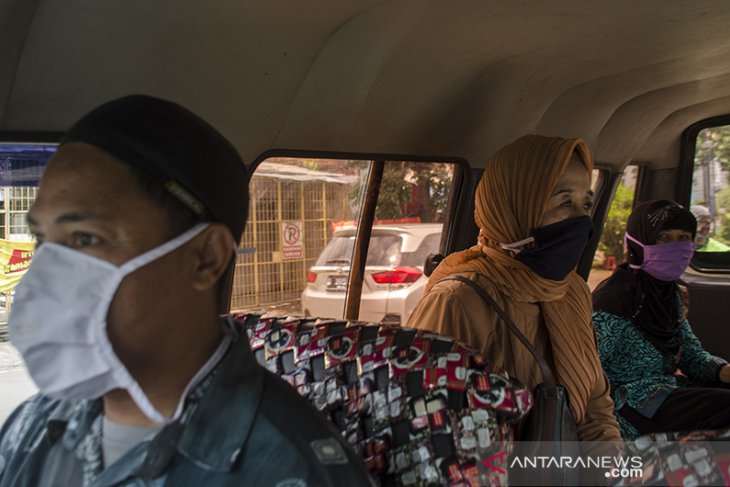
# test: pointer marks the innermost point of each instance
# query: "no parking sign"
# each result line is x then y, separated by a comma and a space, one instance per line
291, 240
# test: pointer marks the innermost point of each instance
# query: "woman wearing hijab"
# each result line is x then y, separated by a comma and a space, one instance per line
532, 207
646, 345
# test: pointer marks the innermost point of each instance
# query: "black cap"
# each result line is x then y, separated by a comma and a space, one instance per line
175, 148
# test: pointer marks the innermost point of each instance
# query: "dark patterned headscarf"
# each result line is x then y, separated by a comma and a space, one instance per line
633, 294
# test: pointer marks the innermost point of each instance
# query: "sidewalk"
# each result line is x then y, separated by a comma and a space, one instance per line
15, 384
9, 357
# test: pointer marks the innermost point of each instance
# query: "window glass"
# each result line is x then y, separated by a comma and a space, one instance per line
383, 250
597, 179
610, 251
296, 206
412, 204
299, 241
21, 166
710, 200
430, 245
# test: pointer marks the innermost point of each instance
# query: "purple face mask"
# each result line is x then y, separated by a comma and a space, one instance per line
666, 261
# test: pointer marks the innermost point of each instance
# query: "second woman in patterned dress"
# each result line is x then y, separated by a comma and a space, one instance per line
658, 370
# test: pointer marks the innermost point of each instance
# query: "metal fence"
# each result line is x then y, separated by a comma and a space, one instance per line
266, 274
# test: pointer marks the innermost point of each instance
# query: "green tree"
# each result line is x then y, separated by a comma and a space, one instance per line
434, 183
612, 238
713, 144
409, 189
722, 200
713, 150
395, 192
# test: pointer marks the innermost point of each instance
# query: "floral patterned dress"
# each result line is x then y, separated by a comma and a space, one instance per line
640, 375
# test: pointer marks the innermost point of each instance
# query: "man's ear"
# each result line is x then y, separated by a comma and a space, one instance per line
213, 252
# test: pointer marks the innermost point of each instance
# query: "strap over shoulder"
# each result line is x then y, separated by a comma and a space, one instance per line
547, 373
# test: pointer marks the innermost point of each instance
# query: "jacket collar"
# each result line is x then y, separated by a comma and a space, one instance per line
219, 426
213, 433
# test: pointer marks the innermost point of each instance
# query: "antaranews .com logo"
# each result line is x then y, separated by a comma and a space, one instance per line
523, 468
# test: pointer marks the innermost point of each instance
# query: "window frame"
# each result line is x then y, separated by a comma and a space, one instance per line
702, 262
461, 178
606, 181
460, 182
608, 185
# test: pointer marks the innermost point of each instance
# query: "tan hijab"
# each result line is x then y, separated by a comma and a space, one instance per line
511, 199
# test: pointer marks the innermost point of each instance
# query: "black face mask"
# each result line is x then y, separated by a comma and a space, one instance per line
557, 247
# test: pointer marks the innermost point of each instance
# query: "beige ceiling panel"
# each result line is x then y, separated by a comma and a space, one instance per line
386, 80
513, 99
456, 78
15, 19
642, 115
238, 65
451, 79
601, 97
662, 147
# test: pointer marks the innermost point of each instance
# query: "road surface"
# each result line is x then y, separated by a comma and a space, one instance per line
15, 384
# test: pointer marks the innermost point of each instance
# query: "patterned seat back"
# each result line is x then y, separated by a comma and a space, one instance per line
421, 409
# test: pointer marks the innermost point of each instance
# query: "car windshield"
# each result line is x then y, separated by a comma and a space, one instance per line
384, 250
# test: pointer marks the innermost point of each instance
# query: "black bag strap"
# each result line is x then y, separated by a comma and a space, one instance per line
547, 373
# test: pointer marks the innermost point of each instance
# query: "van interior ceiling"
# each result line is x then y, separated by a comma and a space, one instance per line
458, 78
454, 79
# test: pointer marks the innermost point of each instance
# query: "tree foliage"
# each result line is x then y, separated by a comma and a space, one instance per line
612, 238
395, 192
712, 153
723, 235
713, 144
410, 190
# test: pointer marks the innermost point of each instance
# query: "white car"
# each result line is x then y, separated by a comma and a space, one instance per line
394, 279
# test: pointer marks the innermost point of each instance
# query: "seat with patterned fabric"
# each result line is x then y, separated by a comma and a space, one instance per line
420, 409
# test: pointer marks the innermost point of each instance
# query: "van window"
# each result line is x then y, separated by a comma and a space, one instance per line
610, 251
384, 250
298, 245
710, 199
429, 245
597, 178
21, 166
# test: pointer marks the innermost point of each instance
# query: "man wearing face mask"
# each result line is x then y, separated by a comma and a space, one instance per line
137, 219
661, 377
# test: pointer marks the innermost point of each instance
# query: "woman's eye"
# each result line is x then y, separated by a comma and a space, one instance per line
569, 204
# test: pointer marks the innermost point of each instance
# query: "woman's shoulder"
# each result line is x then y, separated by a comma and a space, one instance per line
611, 326
449, 290
602, 313
450, 299
460, 289
610, 320
471, 275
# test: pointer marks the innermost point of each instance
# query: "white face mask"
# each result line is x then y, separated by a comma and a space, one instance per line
58, 323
